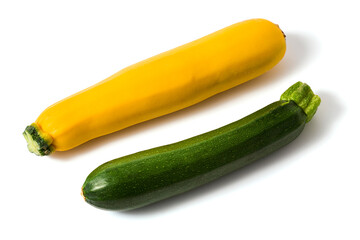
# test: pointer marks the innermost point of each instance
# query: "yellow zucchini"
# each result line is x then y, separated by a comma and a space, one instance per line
159, 85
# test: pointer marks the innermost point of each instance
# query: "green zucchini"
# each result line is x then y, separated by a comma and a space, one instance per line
148, 176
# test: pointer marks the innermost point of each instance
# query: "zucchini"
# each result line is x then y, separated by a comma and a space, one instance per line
159, 85
148, 176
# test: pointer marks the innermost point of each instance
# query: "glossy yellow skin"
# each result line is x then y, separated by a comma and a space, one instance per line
165, 83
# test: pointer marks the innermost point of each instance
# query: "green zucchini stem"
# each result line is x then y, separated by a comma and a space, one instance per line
304, 97
38, 141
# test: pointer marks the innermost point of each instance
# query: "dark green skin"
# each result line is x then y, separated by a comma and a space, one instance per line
146, 177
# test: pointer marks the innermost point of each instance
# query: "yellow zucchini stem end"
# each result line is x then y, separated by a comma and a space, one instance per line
38, 141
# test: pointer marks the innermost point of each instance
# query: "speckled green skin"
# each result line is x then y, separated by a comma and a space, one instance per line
149, 176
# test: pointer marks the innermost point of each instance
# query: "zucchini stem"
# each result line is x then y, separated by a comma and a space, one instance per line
304, 97
38, 141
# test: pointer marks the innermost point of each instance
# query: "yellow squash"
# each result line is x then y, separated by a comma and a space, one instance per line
159, 85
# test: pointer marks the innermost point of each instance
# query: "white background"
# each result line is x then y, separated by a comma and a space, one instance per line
307, 190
